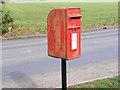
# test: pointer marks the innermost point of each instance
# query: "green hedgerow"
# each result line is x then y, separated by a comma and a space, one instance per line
7, 23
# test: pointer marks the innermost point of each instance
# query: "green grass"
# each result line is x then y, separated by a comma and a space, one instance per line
113, 82
31, 18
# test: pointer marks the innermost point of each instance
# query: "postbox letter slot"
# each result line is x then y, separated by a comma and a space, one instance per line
75, 17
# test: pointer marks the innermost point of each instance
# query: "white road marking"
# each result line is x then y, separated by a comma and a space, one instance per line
28, 51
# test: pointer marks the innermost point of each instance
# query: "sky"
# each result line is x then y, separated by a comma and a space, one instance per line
72, 0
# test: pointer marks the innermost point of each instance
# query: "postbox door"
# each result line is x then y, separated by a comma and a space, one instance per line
73, 33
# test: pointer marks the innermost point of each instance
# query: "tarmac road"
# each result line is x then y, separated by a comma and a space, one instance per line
25, 63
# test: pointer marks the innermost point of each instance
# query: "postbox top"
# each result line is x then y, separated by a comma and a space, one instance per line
66, 8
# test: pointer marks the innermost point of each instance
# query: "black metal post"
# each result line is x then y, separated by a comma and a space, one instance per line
64, 78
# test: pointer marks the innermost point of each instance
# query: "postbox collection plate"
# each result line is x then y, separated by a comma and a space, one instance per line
74, 41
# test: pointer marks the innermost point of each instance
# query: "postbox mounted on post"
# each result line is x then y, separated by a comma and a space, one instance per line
64, 33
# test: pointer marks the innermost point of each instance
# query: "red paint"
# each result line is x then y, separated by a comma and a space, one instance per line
62, 22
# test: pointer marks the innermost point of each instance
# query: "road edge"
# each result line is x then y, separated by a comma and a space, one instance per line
45, 35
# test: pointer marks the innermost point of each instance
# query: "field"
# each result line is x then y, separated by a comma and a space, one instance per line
31, 17
104, 83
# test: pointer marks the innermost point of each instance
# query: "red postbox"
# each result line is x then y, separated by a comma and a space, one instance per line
64, 33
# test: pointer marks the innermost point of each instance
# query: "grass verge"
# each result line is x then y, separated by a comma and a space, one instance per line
31, 18
113, 82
